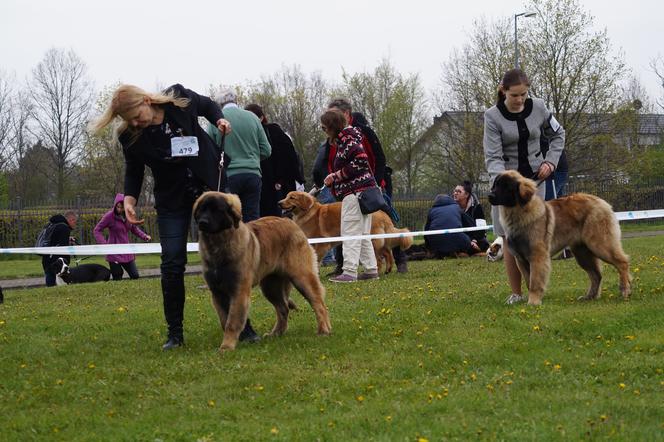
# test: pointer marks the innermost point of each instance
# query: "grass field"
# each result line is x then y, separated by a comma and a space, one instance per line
430, 355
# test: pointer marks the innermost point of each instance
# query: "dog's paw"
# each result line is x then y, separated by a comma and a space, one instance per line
514, 299
495, 251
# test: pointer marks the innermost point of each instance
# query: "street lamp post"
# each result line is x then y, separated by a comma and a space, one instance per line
516, 41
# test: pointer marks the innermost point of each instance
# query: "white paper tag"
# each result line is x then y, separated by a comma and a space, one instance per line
184, 147
554, 123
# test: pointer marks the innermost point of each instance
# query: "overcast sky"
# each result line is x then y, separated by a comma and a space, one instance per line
198, 43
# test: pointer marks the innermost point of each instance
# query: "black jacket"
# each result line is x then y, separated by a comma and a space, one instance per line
173, 176
282, 167
59, 237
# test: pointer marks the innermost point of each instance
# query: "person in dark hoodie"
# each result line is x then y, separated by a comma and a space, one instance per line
118, 233
281, 169
59, 227
446, 214
161, 131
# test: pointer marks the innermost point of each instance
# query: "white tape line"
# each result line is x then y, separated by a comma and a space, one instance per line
140, 249
397, 235
639, 214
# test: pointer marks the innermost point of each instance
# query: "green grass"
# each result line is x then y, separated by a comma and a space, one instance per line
431, 354
30, 266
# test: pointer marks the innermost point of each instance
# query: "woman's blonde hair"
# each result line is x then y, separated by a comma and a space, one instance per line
127, 97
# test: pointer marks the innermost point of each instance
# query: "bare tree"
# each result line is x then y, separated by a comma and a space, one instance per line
295, 101
471, 76
396, 107
573, 69
22, 175
469, 85
635, 95
61, 96
6, 133
102, 162
657, 66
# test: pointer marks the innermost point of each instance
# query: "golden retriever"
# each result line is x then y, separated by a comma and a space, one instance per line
270, 251
324, 220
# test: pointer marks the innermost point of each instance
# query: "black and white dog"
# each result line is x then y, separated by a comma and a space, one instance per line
82, 273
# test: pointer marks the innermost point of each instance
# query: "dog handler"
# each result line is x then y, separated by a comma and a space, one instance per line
161, 131
512, 131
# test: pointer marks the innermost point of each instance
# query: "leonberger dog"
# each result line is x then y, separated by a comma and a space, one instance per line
324, 220
536, 230
270, 251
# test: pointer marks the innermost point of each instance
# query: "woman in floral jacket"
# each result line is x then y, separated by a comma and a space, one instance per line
350, 177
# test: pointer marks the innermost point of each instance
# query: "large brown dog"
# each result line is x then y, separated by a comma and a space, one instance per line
536, 229
324, 220
270, 251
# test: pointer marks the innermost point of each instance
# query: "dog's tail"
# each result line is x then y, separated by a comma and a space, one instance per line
403, 242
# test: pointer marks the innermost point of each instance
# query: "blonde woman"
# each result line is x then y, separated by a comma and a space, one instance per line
161, 131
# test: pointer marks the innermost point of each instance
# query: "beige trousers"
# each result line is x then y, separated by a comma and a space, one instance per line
356, 251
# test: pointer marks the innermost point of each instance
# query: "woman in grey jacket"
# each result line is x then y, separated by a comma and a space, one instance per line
512, 132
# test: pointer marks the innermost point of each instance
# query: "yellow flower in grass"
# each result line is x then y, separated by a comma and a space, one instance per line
630, 337
211, 403
92, 365
536, 328
557, 367
422, 439
621, 386
274, 430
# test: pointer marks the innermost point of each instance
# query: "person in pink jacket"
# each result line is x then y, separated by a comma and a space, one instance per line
118, 233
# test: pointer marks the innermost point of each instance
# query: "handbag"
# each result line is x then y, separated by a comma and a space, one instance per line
371, 200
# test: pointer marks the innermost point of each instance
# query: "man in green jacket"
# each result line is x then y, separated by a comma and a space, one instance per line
247, 146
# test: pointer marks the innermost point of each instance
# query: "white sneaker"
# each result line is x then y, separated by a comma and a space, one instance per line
514, 299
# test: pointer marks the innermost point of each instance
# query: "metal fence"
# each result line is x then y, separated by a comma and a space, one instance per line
621, 194
21, 221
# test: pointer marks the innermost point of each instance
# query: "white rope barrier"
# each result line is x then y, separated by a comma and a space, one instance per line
152, 248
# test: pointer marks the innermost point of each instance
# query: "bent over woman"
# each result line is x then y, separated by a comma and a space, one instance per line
161, 131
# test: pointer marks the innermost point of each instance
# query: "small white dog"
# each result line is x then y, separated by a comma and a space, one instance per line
495, 250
